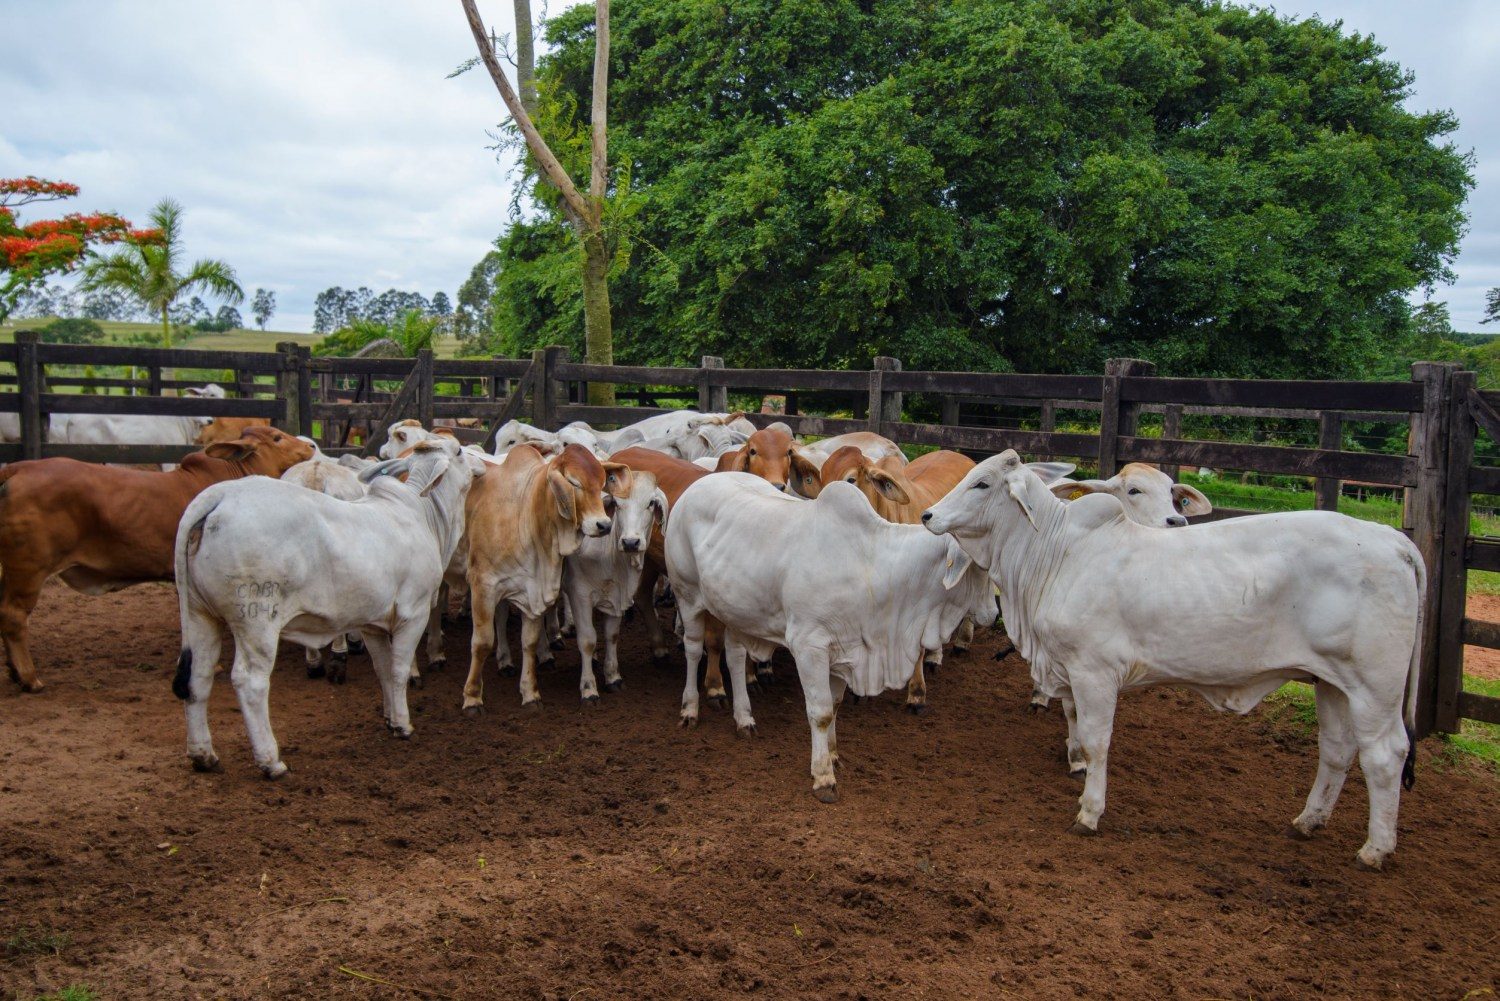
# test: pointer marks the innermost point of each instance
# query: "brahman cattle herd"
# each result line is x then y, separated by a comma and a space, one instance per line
862, 565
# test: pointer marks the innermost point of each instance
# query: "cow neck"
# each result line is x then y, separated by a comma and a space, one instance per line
1028, 561
443, 509
207, 470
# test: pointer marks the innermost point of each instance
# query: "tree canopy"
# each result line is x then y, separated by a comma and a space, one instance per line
1000, 184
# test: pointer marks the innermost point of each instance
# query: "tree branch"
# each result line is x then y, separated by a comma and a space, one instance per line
597, 161
551, 169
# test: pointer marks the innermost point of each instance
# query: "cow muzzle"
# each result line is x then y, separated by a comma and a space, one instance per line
598, 528
631, 545
1176, 521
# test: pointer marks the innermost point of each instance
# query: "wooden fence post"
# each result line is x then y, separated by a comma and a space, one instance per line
1424, 515
286, 388
949, 417
153, 380
29, 385
545, 391
1453, 576
883, 407
1116, 418
1171, 427
426, 387
1330, 438
304, 391
711, 399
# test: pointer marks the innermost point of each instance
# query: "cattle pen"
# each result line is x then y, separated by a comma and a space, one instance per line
340, 400
576, 853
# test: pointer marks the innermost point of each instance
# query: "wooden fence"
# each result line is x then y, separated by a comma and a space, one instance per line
334, 398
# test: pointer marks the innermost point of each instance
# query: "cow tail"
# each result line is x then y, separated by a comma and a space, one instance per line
1414, 671
187, 545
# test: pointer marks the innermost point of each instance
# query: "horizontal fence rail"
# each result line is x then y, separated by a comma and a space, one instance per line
348, 404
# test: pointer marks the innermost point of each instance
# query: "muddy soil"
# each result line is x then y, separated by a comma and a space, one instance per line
589, 854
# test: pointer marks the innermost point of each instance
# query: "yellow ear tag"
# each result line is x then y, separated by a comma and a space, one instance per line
1076, 494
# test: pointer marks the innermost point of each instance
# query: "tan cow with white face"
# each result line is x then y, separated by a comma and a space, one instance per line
1149, 495
524, 518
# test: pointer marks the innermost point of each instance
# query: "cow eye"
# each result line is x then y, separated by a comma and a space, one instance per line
981, 485
849, 479
752, 451
1134, 491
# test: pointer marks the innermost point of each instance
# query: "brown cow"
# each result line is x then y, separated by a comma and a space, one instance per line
771, 454
229, 428
900, 492
102, 528
523, 518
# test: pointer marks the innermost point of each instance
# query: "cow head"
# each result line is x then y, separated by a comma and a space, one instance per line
229, 428
635, 504
264, 450
771, 454
401, 437
575, 478
1148, 494
991, 500
513, 433
876, 480
212, 391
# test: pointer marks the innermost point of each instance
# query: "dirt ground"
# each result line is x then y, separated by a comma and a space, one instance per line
1480, 661
576, 854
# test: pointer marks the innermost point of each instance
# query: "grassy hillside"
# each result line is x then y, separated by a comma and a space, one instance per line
234, 340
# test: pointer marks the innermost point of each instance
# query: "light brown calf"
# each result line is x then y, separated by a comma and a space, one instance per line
102, 528
523, 518
772, 455
229, 428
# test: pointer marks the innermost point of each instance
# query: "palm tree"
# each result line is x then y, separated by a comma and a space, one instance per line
149, 272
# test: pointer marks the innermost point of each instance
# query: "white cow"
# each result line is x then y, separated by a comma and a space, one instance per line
605, 572
120, 429
337, 478
855, 598
268, 559
875, 447
1231, 610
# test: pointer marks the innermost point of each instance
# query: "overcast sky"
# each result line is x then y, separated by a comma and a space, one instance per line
317, 143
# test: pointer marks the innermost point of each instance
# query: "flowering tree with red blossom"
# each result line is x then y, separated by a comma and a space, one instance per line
30, 252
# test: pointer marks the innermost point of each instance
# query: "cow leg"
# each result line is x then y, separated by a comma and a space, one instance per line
693, 626
734, 659
1336, 749
532, 631
713, 677
612, 680
202, 642
436, 658
1076, 761
964, 638
1096, 722
567, 619
817, 689
588, 640
1382, 753
645, 606
402, 666
916, 690
836, 686
481, 644
20, 593
503, 663
338, 660
355, 642
379, 645
314, 657
554, 619
251, 677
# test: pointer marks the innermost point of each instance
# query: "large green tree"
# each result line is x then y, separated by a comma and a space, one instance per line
1027, 184
153, 273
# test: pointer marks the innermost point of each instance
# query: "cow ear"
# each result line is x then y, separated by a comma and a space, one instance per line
888, 486
231, 451
956, 563
616, 474
386, 467
1190, 500
1073, 489
562, 494
659, 506
568, 541
1050, 471
735, 462
1017, 487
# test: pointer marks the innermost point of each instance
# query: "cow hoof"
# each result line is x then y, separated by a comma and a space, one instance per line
718, 701
534, 706
1297, 833
417, 681
962, 651
1036, 708
437, 664
659, 659
1368, 864
916, 708
1077, 771
827, 794
930, 668
274, 771
33, 687
1082, 830
688, 722
207, 765
356, 646
618, 685
764, 674
316, 671
507, 670
591, 702
402, 732
752, 686
474, 712
557, 643
746, 731
855, 700
546, 663
337, 677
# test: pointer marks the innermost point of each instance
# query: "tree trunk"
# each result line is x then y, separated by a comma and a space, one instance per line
597, 326
166, 329
525, 57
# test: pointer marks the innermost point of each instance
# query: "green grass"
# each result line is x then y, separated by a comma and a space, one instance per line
121, 333
73, 992
1294, 705
36, 940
